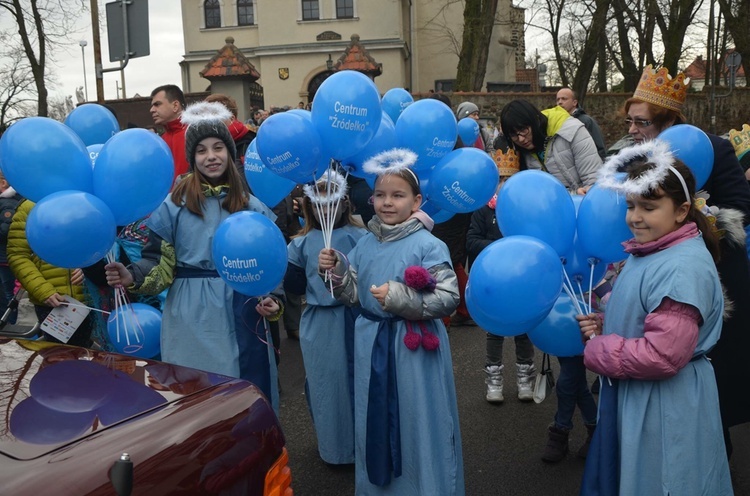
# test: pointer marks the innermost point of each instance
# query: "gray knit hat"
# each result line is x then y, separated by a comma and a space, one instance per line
465, 109
206, 120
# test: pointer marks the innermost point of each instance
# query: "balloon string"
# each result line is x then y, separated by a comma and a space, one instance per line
570, 291
583, 296
67, 303
592, 263
264, 322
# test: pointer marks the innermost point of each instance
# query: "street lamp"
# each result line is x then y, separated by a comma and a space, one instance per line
83, 43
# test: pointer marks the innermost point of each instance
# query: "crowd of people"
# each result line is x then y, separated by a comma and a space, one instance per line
373, 302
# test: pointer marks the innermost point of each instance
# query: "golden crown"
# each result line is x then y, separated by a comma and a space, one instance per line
740, 140
658, 88
507, 163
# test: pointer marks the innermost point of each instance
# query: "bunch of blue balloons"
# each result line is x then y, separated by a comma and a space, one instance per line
78, 207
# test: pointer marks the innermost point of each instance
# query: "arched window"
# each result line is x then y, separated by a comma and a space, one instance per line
212, 13
344, 9
245, 13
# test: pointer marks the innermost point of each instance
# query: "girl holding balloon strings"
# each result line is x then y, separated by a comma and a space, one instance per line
659, 423
327, 326
206, 325
655, 110
407, 436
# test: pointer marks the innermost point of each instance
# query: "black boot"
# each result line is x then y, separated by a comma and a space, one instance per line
557, 445
583, 451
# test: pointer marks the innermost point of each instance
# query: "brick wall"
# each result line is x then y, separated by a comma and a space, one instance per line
731, 112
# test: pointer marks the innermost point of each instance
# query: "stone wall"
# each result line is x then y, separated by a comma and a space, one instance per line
731, 112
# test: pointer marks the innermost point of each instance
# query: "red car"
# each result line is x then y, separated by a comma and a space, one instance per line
83, 422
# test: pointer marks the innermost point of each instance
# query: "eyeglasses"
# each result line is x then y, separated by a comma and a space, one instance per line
520, 134
639, 123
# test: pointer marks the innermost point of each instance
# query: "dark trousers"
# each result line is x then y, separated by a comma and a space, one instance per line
572, 389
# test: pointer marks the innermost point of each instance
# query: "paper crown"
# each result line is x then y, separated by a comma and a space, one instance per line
657, 88
740, 140
507, 163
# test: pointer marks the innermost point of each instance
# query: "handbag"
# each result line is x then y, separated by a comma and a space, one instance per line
545, 380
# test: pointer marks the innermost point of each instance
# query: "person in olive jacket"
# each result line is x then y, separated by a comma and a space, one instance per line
46, 284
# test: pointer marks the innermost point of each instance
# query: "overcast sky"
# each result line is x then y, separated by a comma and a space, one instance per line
141, 74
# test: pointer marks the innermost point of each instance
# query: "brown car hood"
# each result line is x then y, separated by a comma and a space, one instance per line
53, 395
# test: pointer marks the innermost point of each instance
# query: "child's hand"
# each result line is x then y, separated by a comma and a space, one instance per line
55, 300
380, 292
591, 325
76, 277
327, 259
118, 275
267, 307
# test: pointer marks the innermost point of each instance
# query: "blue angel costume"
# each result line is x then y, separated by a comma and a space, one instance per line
327, 343
205, 324
407, 434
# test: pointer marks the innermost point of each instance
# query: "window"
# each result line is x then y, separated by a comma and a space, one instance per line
310, 10
245, 14
212, 13
344, 9
444, 85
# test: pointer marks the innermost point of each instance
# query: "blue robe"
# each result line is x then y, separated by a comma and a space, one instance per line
323, 337
430, 438
669, 431
205, 325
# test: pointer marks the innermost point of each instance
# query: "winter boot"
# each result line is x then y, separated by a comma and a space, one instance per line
525, 374
557, 445
583, 451
494, 381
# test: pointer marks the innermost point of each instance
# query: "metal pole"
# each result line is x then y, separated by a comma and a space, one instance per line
712, 66
97, 51
124, 5
85, 81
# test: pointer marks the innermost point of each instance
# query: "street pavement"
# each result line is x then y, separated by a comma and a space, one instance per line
502, 444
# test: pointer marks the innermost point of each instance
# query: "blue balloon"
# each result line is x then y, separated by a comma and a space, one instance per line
72, 386
346, 112
513, 284
691, 145
535, 203
94, 152
463, 180
133, 174
601, 225
34, 423
71, 229
428, 128
135, 330
249, 252
269, 187
436, 214
92, 123
289, 145
578, 266
384, 139
132, 398
395, 102
559, 334
468, 130
40, 156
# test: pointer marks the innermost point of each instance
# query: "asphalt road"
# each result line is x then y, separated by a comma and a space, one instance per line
502, 444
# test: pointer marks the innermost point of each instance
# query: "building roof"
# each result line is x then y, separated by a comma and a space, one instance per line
528, 76
229, 62
697, 68
357, 58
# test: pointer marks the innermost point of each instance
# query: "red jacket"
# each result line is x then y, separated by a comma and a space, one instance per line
174, 135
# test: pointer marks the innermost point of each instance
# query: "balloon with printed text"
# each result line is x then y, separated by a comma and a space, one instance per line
40, 156
428, 128
463, 181
395, 102
93, 123
249, 252
346, 113
71, 229
94, 152
384, 139
270, 188
289, 145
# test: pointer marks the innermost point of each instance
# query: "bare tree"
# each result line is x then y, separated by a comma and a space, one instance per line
41, 24
479, 20
737, 21
17, 90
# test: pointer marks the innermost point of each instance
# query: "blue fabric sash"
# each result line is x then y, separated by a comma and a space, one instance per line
601, 477
383, 441
194, 273
350, 317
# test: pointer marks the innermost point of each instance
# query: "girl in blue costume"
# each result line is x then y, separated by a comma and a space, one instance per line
659, 428
327, 326
407, 437
205, 324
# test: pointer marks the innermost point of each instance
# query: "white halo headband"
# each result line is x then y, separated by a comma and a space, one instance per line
205, 111
334, 188
656, 152
391, 161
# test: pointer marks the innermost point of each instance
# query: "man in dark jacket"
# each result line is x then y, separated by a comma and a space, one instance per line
567, 99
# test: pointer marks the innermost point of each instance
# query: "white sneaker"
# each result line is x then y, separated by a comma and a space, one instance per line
494, 381
525, 374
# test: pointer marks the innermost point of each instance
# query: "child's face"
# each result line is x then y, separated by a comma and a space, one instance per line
211, 159
393, 199
325, 209
649, 220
